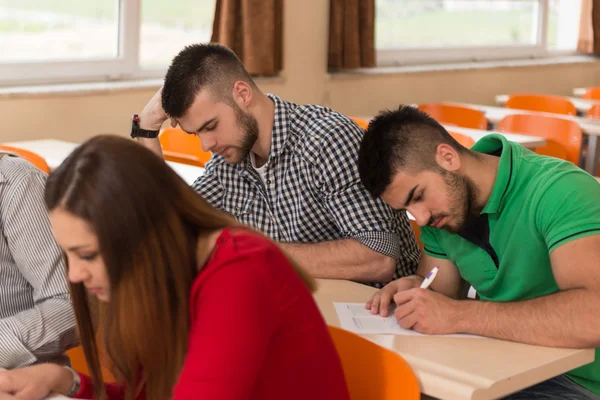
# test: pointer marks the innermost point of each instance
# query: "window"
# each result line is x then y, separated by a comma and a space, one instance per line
70, 40
422, 31
166, 29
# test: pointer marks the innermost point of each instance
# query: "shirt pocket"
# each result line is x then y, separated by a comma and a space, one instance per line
240, 205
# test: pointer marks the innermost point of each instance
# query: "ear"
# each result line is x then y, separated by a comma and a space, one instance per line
242, 94
447, 157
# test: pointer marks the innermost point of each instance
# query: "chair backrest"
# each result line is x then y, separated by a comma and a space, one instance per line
363, 123
32, 157
592, 93
465, 117
465, 140
372, 371
553, 149
182, 147
417, 231
541, 102
558, 132
79, 364
594, 112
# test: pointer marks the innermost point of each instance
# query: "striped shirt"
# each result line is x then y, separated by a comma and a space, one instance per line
36, 317
311, 191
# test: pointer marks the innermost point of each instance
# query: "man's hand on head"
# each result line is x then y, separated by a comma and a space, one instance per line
153, 116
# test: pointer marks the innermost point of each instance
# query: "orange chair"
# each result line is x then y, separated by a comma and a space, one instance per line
30, 156
181, 147
594, 112
592, 93
363, 123
464, 140
563, 136
372, 371
417, 231
541, 102
553, 149
79, 364
456, 115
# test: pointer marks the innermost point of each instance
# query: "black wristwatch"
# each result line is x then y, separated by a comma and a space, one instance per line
136, 131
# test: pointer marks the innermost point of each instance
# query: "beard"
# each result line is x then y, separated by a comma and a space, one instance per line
249, 127
462, 193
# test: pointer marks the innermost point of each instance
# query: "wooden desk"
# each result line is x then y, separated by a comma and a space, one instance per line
531, 142
460, 368
494, 115
590, 127
582, 105
55, 151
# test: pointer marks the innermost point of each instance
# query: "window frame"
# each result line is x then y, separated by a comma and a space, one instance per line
435, 55
126, 65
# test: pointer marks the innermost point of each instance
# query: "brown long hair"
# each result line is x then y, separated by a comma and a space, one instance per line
151, 227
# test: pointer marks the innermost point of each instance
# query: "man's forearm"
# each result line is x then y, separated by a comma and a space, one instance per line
564, 319
45, 331
152, 118
342, 259
152, 144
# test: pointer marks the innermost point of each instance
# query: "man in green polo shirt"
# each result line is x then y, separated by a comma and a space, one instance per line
522, 229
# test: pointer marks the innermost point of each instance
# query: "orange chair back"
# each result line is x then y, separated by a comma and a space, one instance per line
558, 132
79, 364
464, 140
363, 123
373, 372
553, 149
182, 147
32, 157
417, 231
456, 115
541, 102
592, 93
594, 112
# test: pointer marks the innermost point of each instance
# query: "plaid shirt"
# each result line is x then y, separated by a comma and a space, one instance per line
312, 191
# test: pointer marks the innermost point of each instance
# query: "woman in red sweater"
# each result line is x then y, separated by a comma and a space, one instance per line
189, 304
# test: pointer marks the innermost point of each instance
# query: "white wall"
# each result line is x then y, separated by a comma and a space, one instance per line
304, 80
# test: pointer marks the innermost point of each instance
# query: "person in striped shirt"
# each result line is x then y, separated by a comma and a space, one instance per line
36, 318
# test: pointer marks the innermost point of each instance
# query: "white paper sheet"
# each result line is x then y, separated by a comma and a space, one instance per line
356, 318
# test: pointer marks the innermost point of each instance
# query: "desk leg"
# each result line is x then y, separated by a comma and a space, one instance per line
591, 162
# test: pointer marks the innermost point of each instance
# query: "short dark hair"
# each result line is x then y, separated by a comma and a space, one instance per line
402, 138
199, 66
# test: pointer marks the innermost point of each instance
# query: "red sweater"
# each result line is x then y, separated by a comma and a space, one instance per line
256, 332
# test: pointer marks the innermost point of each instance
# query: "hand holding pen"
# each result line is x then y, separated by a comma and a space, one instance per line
430, 277
426, 311
380, 302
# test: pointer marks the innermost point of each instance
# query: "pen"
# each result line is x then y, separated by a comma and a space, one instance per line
430, 277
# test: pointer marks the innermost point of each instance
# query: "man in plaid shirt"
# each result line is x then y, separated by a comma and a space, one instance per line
289, 171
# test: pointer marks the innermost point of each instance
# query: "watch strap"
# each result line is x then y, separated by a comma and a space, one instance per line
136, 131
76, 386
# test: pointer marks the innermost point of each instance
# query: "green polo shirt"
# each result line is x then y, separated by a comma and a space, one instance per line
537, 204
